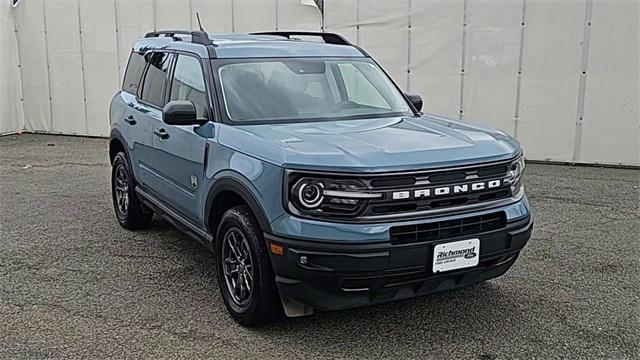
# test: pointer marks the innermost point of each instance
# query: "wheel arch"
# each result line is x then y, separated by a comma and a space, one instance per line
117, 144
232, 190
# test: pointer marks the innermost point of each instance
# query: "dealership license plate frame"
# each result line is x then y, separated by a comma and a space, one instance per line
456, 262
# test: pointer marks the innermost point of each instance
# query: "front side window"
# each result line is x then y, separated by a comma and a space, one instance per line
188, 84
308, 89
154, 80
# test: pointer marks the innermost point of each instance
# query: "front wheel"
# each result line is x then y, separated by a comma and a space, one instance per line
245, 276
131, 214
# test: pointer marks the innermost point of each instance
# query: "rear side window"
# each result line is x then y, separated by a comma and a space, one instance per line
134, 73
154, 80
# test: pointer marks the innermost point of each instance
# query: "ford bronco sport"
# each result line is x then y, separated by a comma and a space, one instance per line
316, 182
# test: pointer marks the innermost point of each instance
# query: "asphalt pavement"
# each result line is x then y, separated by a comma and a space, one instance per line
74, 284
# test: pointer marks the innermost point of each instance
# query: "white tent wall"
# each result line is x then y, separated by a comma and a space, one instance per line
550, 80
611, 123
11, 116
561, 76
516, 65
76, 51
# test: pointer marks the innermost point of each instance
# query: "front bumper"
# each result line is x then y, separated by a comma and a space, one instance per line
340, 276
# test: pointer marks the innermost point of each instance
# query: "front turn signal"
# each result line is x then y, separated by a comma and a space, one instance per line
276, 249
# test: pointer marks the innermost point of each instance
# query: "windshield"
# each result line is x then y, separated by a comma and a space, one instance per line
308, 89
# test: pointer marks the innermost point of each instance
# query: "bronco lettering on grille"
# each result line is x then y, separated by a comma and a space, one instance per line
446, 190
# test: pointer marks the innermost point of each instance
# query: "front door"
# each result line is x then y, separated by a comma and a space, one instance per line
178, 158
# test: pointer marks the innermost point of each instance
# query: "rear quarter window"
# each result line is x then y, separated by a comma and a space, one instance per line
132, 76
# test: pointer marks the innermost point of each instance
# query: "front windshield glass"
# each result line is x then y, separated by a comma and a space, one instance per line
308, 89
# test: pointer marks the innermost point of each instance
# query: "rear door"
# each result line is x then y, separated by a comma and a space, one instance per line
147, 111
178, 156
136, 131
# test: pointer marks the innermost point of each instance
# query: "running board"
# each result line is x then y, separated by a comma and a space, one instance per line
176, 219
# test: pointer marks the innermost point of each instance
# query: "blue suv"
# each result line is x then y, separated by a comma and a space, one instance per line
316, 182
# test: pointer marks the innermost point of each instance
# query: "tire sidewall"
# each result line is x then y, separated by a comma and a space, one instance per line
121, 159
230, 220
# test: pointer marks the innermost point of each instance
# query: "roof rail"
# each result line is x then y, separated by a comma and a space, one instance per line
197, 37
329, 38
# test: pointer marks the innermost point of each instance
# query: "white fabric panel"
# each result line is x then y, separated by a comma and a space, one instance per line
491, 62
384, 33
424, 58
100, 62
173, 14
215, 15
611, 125
254, 15
29, 20
436, 53
292, 16
11, 117
550, 78
67, 94
135, 18
341, 16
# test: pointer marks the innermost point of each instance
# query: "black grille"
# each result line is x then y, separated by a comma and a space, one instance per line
412, 194
447, 229
432, 179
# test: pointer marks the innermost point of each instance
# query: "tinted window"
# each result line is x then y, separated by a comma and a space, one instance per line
153, 87
188, 84
134, 73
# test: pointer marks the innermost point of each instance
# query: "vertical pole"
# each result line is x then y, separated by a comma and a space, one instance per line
82, 67
276, 15
516, 117
48, 61
191, 15
322, 13
20, 76
409, 48
577, 143
233, 21
155, 14
117, 25
463, 60
358, 22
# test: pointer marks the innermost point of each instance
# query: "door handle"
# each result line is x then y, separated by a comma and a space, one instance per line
162, 134
130, 120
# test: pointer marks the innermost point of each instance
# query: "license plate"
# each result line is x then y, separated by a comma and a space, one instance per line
456, 255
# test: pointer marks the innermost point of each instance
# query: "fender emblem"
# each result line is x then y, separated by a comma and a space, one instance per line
194, 182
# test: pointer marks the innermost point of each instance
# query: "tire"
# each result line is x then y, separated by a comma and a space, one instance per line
262, 303
131, 214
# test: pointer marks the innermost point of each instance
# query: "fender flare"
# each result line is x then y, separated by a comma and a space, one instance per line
229, 183
116, 135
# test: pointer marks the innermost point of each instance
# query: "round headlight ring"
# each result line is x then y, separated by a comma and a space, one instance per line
517, 167
310, 194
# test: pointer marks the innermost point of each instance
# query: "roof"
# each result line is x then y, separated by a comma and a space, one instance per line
230, 46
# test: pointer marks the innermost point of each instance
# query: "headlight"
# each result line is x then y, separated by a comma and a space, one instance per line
325, 197
310, 194
516, 170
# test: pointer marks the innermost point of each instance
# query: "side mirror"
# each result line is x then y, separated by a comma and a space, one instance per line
180, 112
416, 100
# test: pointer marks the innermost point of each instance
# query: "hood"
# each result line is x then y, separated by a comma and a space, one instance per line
371, 145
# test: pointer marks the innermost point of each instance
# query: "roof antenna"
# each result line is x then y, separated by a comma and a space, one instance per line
199, 23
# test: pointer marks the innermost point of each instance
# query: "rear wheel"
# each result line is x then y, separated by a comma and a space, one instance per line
245, 276
131, 214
